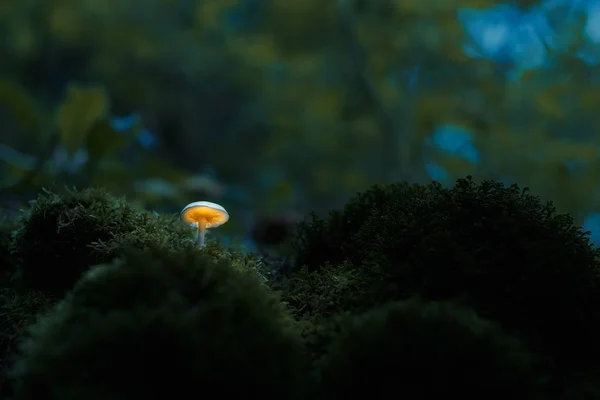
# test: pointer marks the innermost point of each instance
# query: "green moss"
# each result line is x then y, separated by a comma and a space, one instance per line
240, 260
317, 335
497, 249
163, 324
331, 240
331, 290
426, 350
17, 311
8, 262
62, 236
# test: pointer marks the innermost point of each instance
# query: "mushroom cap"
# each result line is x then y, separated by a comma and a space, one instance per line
212, 214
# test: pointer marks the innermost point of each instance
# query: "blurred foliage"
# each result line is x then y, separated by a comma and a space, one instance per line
293, 104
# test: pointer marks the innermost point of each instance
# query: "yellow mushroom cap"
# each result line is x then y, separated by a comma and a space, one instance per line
205, 213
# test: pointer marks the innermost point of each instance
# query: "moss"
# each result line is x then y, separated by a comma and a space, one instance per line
8, 262
17, 311
317, 335
62, 236
497, 249
427, 350
331, 290
331, 240
240, 260
163, 324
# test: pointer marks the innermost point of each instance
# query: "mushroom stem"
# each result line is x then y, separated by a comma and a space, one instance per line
201, 233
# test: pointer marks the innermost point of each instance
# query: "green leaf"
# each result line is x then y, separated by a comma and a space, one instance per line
81, 109
18, 103
113, 176
156, 168
103, 141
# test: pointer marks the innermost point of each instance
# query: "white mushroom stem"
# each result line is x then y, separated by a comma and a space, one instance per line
201, 233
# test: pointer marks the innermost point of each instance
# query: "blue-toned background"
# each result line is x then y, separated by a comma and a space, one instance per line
274, 109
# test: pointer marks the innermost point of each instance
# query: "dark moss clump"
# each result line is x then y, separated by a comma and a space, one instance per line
62, 236
497, 249
163, 325
333, 289
417, 350
240, 260
17, 312
8, 226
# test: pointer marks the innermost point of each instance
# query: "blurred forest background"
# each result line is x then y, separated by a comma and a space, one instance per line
277, 108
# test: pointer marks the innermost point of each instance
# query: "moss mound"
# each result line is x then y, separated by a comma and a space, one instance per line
497, 249
419, 350
388, 224
162, 325
62, 236
8, 227
17, 311
333, 289
241, 261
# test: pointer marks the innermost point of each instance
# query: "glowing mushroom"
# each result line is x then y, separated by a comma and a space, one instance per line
204, 215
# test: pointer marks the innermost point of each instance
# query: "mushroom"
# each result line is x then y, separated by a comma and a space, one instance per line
203, 215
